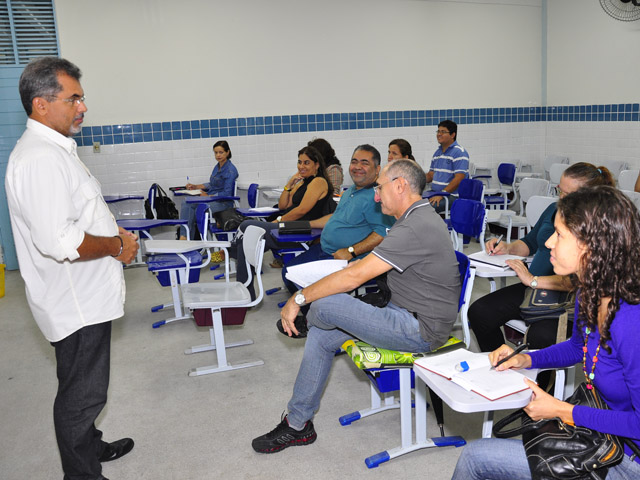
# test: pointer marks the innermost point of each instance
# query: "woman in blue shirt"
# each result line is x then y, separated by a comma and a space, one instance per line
489, 313
221, 184
596, 239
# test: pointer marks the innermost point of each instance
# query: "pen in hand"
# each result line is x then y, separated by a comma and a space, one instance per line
522, 347
496, 244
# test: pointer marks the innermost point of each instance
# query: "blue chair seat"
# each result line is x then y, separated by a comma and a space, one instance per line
162, 263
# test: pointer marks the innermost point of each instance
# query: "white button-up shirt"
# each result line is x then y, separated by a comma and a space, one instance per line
53, 200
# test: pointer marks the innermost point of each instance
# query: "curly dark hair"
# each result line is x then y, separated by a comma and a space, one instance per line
607, 223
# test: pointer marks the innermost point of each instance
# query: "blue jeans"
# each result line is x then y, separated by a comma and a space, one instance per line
332, 321
505, 459
188, 212
82, 360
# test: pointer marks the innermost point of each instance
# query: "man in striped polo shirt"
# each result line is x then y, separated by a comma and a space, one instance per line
449, 165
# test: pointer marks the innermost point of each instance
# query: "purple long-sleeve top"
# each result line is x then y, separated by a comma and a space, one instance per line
617, 374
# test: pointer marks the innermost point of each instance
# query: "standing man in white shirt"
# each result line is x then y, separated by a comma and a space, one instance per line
70, 252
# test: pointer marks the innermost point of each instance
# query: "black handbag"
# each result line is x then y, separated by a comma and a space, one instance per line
542, 304
557, 450
228, 219
164, 206
379, 298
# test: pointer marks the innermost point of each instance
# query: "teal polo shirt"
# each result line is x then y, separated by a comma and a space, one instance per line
356, 216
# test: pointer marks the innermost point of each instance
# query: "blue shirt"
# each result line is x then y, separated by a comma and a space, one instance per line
356, 216
535, 240
222, 180
445, 165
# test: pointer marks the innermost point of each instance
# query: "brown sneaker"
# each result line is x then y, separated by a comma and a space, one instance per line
277, 263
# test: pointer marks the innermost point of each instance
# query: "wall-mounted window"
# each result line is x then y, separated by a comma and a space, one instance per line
27, 31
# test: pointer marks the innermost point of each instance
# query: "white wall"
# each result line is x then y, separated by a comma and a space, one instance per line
592, 58
159, 60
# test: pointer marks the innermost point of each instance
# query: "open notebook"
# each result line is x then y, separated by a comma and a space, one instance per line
479, 378
498, 262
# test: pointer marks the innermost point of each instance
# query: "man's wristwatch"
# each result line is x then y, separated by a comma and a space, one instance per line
534, 282
299, 299
352, 251
279, 219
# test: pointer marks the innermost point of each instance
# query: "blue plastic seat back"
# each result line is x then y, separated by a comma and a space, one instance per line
506, 173
165, 261
252, 195
467, 217
464, 267
471, 189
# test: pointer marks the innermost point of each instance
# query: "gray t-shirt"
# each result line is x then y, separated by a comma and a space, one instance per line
424, 278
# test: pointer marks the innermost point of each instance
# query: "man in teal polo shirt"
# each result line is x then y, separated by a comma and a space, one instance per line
358, 224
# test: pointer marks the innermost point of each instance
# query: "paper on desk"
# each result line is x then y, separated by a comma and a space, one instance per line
191, 192
480, 378
265, 209
308, 273
494, 261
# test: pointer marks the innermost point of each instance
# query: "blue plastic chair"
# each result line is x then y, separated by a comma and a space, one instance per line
499, 198
468, 217
388, 380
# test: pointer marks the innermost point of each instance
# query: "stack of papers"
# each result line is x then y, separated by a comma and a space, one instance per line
308, 273
479, 378
264, 209
499, 262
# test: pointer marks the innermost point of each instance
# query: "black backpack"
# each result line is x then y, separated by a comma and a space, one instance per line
164, 206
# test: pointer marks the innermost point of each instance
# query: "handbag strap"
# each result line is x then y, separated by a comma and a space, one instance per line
499, 430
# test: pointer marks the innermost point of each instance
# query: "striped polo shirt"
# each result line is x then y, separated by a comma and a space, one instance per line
445, 165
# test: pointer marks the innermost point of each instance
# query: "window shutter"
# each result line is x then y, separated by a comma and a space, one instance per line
27, 31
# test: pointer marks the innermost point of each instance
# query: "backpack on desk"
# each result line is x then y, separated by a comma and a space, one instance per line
164, 206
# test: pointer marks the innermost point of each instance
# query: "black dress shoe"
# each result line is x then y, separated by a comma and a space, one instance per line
117, 449
300, 324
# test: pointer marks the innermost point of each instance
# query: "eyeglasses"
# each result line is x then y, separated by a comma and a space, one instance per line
377, 188
442, 132
72, 101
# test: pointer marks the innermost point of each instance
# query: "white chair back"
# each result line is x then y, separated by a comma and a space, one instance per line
253, 243
555, 174
551, 159
530, 187
535, 206
627, 179
634, 196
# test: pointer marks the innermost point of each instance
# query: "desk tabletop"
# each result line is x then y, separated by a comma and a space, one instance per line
464, 401
181, 246
206, 199
145, 223
121, 198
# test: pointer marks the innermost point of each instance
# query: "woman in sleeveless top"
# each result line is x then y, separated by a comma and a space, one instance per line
307, 195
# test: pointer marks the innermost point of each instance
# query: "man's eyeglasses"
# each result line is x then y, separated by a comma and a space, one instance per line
442, 132
377, 188
72, 101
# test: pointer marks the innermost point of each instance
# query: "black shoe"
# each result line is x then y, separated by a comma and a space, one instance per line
117, 449
300, 324
284, 436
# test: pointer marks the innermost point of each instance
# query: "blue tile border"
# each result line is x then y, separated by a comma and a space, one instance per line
319, 122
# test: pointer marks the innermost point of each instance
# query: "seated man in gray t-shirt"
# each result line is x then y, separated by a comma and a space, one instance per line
425, 287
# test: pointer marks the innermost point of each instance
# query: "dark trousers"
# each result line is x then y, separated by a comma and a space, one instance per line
489, 313
83, 360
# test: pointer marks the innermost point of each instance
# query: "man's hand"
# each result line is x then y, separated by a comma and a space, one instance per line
435, 200
342, 254
288, 315
129, 246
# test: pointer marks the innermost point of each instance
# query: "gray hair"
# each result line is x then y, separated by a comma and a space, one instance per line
372, 150
40, 79
410, 171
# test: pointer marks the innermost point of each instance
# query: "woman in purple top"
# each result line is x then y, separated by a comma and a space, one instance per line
596, 238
